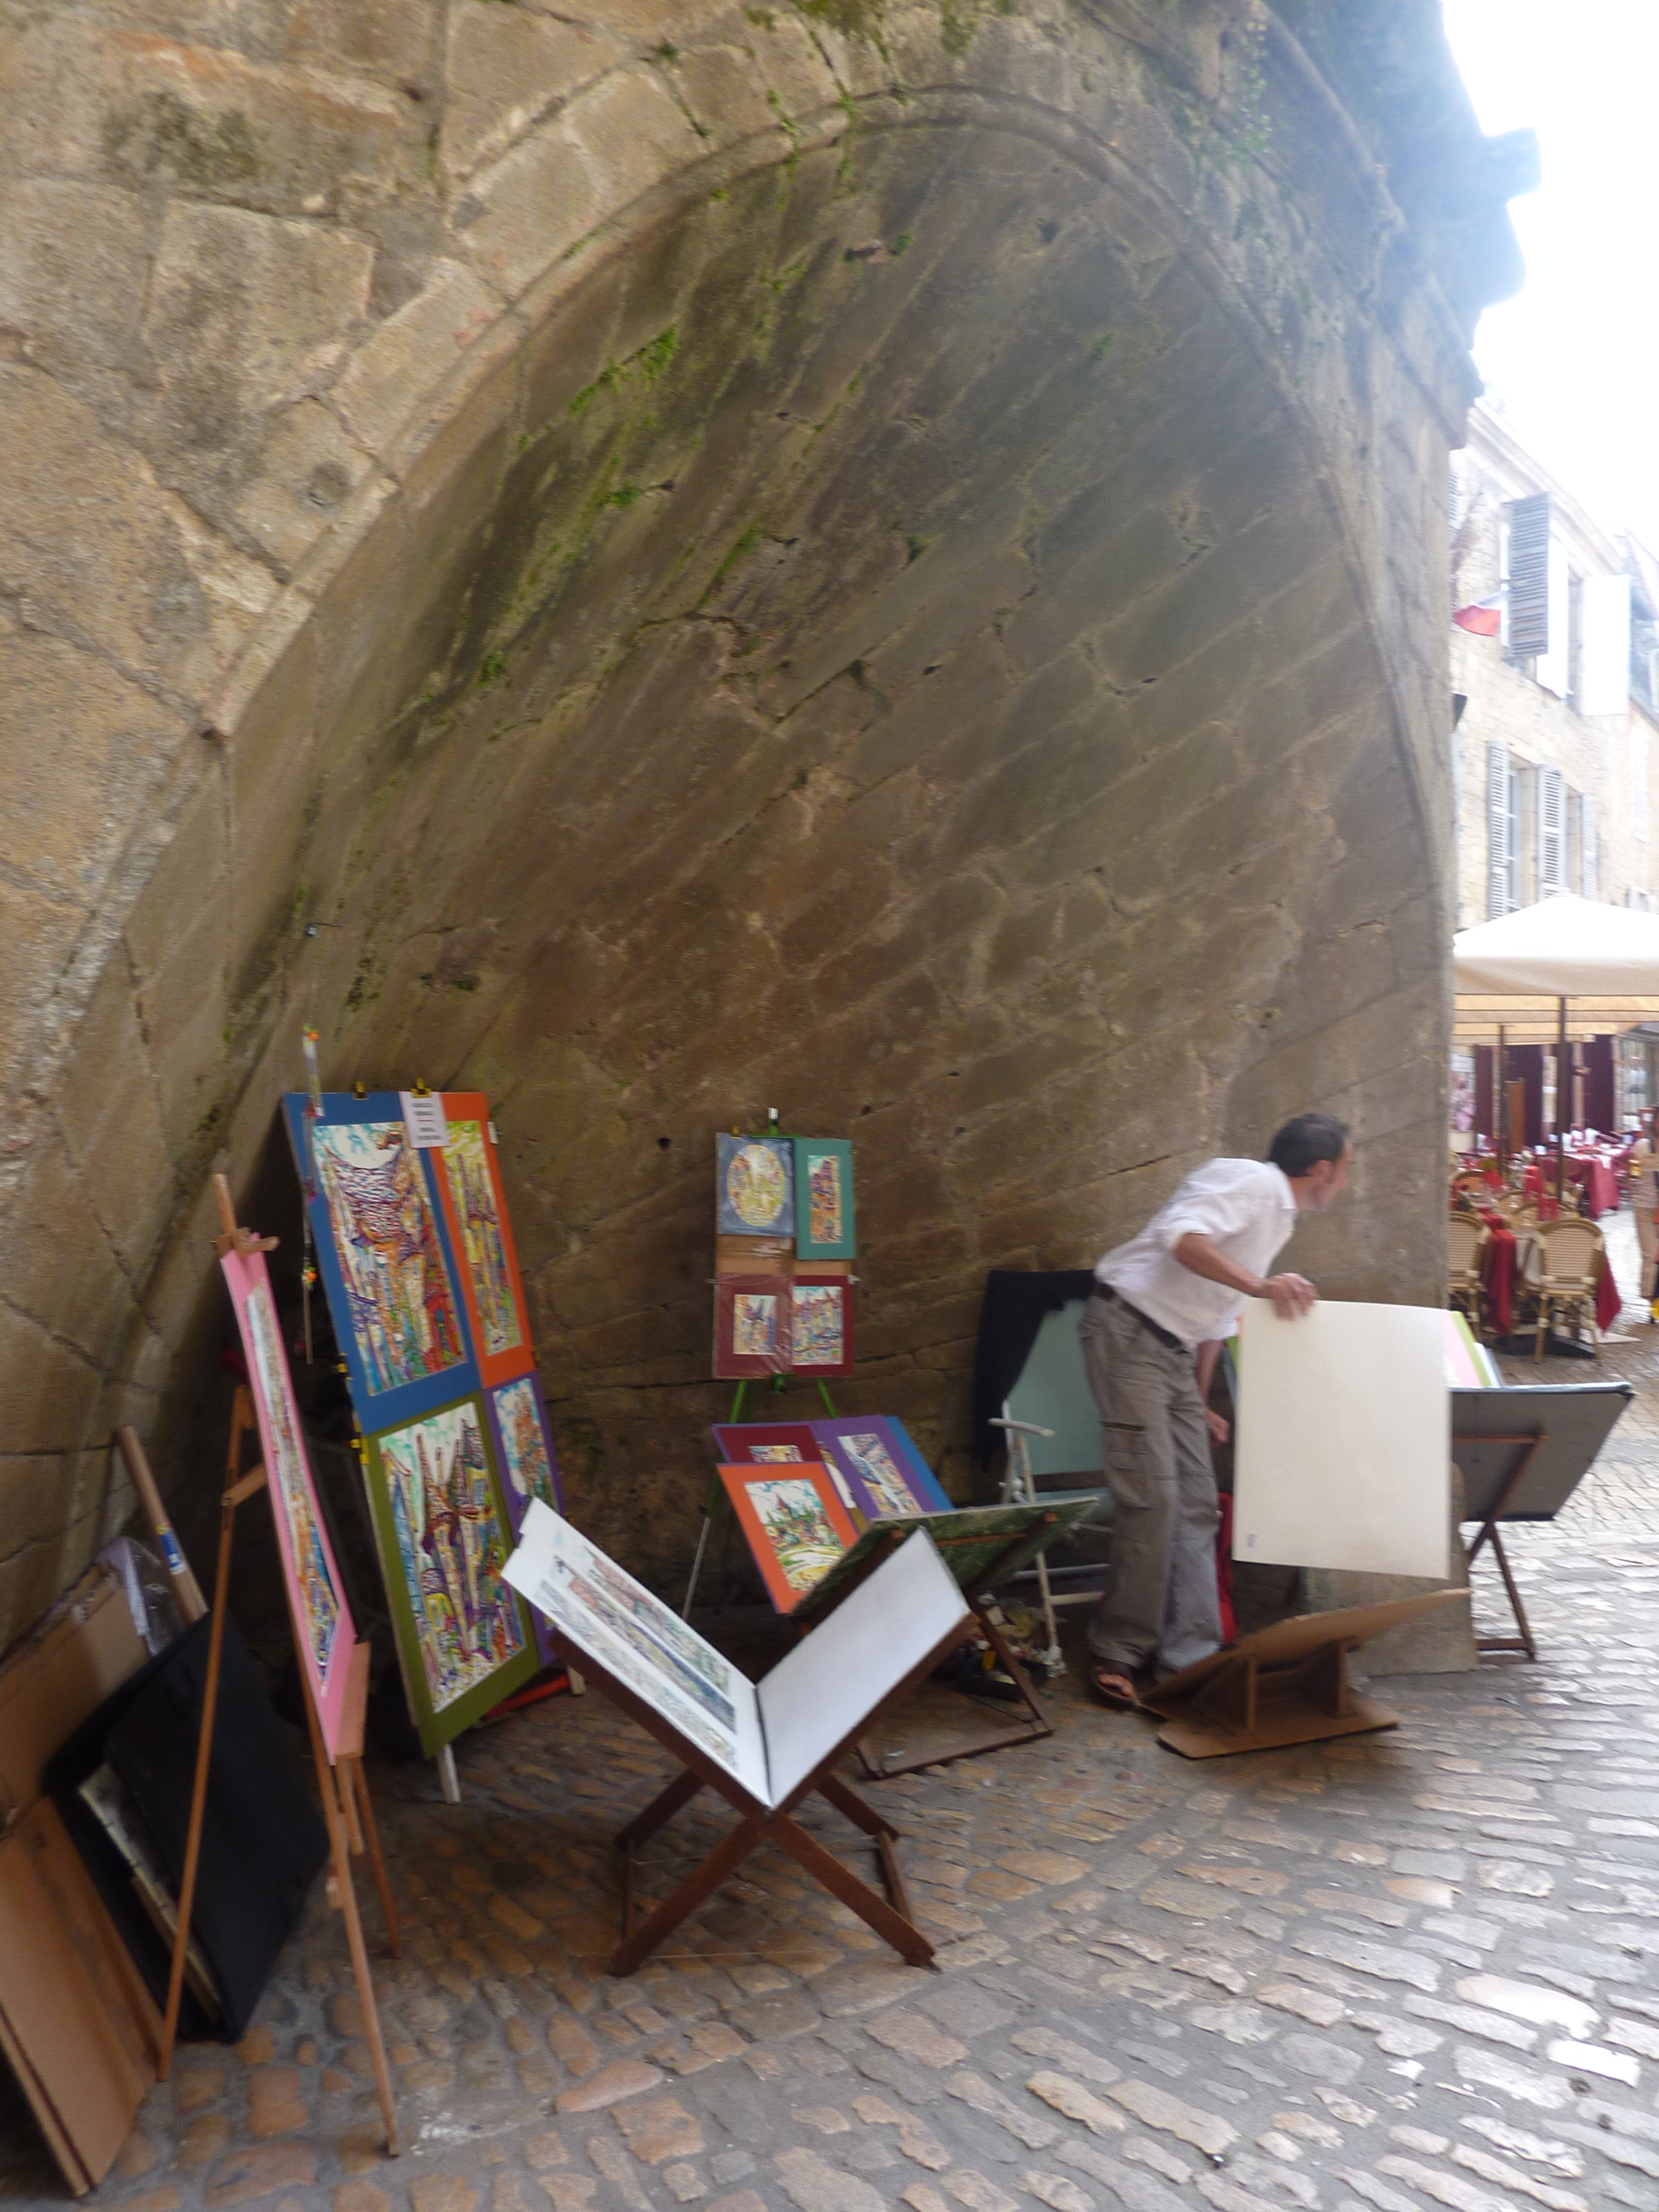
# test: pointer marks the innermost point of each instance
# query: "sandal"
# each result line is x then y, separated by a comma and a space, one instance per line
1114, 1689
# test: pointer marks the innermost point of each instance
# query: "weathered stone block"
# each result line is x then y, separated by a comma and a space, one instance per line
505, 68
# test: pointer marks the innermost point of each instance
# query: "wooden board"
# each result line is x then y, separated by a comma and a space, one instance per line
59, 1678
1195, 1739
78, 2022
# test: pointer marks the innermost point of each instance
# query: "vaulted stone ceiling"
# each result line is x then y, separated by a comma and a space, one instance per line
660, 561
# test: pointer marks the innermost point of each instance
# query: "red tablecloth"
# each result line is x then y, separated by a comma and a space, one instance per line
1608, 1300
1499, 1272
1598, 1184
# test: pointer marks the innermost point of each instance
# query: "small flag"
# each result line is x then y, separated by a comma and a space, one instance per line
1484, 619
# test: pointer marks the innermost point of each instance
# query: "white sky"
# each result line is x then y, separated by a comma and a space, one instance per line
1572, 360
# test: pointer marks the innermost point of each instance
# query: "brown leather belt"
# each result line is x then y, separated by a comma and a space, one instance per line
1105, 1291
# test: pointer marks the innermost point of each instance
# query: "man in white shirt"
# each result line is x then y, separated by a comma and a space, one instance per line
1151, 1333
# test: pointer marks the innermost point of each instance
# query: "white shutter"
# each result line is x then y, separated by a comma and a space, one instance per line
1589, 849
1551, 832
1553, 669
1527, 603
1497, 830
1604, 646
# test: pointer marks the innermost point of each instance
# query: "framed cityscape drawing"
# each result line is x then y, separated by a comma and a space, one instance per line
796, 1526
824, 1198
755, 1184
524, 1453
772, 1444
385, 1255
468, 1177
752, 1335
886, 1473
444, 1533
323, 1629
821, 1324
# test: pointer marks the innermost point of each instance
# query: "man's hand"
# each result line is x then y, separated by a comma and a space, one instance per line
1219, 1431
1293, 1295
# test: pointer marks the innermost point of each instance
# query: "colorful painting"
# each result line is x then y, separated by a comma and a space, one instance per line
874, 1466
323, 1629
776, 1454
483, 1247
821, 1308
880, 1461
524, 1447
824, 1198
752, 1329
983, 1546
451, 1540
757, 1177
795, 1525
400, 1298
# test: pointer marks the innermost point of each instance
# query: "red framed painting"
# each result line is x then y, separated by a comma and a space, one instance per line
467, 1172
821, 1324
793, 1522
752, 1331
772, 1444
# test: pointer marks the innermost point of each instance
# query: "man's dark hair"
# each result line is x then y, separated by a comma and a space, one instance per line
1300, 1144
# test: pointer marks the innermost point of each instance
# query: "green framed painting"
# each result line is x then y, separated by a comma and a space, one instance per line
441, 1523
972, 1542
824, 1198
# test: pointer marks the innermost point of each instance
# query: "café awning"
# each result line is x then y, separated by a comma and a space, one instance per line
1515, 972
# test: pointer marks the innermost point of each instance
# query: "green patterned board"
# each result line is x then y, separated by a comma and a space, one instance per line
969, 1542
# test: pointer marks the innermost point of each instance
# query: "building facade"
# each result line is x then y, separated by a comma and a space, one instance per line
1555, 682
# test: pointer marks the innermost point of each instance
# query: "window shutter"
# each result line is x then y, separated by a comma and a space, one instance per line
1553, 669
1551, 832
1590, 867
1497, 830
1529, 574
1604, 617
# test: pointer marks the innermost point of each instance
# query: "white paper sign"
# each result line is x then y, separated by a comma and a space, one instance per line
425, 1120
1344, 1455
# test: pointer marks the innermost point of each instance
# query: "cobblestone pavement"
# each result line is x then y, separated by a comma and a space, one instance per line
1385, 1975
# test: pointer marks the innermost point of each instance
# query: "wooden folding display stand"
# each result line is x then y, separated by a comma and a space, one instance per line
347, 1812
877, 1545
1284, 1685
1525, 1446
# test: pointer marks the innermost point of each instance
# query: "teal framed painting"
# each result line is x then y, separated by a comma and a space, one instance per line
824, 1198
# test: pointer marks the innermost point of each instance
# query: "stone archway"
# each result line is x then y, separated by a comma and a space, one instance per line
909, 608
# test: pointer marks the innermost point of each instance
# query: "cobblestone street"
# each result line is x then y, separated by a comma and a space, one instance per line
1396, 1972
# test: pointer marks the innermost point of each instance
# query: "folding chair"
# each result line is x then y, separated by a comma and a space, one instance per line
1051, 1425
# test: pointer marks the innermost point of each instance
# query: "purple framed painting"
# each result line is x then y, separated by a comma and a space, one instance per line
885, 1473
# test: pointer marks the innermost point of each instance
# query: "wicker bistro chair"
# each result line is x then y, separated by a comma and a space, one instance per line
1468, 1237
1571, 1255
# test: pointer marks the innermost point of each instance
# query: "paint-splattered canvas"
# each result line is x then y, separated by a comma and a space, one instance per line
401, 1301
452, 1541
483, 1241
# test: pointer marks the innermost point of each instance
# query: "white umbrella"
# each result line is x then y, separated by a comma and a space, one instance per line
1605, 959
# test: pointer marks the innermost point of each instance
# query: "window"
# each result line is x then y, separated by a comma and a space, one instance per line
1603, 686
1503, 832
1551, 832
1589, 852
1638, 778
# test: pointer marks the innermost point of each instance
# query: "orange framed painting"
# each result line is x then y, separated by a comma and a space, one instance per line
467, 1172
793, 1522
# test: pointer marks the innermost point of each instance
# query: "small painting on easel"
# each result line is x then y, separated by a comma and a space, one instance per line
467, 1172
756, 1186
796, 1526
528, 1468
824, 1198
443, 1531
821, 1323
322, 1618
752, 1329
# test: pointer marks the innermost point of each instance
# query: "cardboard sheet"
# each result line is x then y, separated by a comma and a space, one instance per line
58, 1678
1344, 1450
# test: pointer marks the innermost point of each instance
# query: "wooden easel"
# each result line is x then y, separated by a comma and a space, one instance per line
1284, 1685
1528, 1442
892, 1921
347, 1812
1035, 1725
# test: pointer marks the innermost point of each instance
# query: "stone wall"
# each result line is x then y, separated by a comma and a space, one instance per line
671, 558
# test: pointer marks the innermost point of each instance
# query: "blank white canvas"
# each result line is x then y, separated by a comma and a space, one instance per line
1344, 1450
854, 1658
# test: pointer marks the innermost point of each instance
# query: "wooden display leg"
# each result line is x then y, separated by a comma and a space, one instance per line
1488, 1534
1246, 1706
1031, 1729
891, 1922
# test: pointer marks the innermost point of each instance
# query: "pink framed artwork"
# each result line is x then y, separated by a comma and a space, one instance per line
323, 1629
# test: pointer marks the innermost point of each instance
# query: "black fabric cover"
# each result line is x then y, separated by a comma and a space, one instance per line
1016, 1301
263, 1839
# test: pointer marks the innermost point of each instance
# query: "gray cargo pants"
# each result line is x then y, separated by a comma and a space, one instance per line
1160, 1602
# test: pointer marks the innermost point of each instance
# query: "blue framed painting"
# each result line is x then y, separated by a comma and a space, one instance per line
824, 1198
385, 1255
755, 1186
